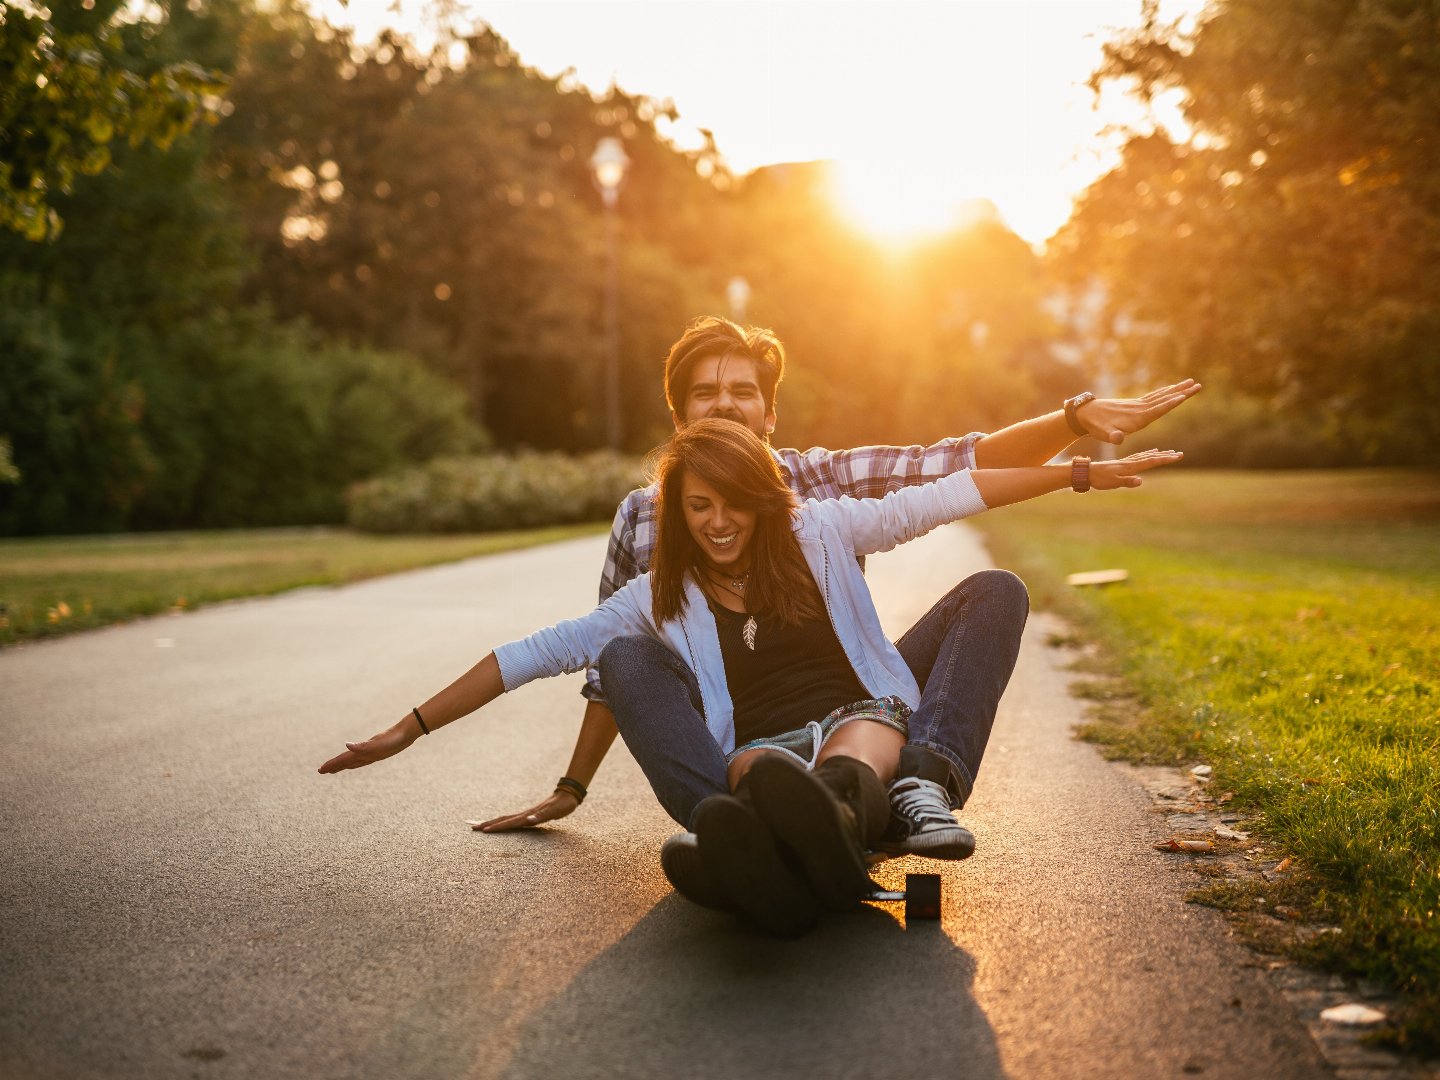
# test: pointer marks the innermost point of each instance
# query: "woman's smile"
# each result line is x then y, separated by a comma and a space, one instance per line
721, 530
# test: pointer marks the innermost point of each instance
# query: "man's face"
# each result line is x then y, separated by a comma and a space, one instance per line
726, 387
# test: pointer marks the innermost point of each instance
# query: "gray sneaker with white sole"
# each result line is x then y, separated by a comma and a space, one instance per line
921, 822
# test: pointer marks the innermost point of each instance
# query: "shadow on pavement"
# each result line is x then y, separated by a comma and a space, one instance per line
688, 993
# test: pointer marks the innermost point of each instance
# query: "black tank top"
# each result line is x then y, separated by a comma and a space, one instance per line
795, 674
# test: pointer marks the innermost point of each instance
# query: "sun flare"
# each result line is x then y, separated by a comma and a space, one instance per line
901, 202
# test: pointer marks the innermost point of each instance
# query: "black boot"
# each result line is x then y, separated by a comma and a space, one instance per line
828, 818
746, 864
685, 869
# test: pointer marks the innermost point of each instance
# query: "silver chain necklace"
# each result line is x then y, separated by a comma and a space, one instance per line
737, 586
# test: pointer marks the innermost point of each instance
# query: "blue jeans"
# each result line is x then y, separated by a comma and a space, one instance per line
656, 701
961, 653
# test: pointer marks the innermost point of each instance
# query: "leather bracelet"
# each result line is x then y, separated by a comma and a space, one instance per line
1071, 405
1080, 474
573, 786
421, 721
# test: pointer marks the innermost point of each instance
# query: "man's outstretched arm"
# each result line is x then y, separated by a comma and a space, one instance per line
597, 727
597, 732
1108, 420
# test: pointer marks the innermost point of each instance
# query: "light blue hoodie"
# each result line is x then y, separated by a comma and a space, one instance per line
831, 533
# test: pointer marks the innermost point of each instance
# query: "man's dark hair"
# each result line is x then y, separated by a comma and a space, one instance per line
710, 335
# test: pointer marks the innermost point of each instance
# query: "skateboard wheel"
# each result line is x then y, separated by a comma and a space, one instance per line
922, 896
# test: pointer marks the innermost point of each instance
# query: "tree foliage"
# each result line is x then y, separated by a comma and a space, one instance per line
378, 253
71, 88
890, 346
443, 204
138, 391
1288, 248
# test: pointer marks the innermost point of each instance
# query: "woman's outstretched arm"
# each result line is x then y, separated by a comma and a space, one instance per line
881, 524
1002, 487
479, 686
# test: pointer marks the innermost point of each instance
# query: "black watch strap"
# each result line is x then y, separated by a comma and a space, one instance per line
1071, 404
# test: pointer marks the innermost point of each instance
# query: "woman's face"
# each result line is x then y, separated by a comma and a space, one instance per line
722, 532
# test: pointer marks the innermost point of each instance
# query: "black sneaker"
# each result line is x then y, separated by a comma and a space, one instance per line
684, 869
823, 831
742, 859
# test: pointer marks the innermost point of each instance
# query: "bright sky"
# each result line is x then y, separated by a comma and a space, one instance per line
923, 105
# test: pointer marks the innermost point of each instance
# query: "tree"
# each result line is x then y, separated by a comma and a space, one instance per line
139, 391
442, 204
71, 88
1286, 247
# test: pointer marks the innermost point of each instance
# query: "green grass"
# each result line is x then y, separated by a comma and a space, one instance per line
59, 585
1283, 628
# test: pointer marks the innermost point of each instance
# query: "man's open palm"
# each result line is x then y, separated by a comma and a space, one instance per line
1111, 419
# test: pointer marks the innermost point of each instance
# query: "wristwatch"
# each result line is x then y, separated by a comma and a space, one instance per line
1080, 474
1071, 405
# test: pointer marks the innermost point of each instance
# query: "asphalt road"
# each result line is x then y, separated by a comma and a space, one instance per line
182, 895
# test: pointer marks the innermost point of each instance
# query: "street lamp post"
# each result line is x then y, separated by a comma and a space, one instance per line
608, 166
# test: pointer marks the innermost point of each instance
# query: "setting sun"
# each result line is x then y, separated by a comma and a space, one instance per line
898, 203
924, 107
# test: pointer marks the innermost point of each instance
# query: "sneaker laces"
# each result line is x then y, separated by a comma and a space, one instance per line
921, 800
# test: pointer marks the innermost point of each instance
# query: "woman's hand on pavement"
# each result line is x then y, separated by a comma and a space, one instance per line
1111, 419
387, 744
560, 804
1125, 471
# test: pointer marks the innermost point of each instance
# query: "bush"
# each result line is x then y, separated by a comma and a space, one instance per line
278, 427
1223, 429
224, 420
484, 494
1220, 430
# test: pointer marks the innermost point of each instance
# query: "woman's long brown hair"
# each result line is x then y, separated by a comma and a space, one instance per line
732, 459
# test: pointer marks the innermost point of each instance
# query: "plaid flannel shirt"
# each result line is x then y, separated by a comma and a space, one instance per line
866, 472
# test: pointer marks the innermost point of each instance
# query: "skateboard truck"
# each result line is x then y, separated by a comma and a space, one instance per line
921, 896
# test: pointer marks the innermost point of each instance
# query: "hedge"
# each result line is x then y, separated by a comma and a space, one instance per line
494, 492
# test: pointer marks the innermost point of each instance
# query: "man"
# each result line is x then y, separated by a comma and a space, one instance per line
718, 369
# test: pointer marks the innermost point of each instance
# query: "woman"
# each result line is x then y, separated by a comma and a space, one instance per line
764, 605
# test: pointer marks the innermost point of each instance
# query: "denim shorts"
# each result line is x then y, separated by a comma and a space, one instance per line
804, 744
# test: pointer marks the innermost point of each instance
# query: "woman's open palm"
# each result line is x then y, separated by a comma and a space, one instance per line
1125, 472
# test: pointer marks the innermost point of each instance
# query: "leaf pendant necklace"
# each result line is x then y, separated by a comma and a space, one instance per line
737, 587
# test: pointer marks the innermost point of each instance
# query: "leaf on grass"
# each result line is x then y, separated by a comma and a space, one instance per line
1353, 1014
1282, 865
1097, 577
1191, 847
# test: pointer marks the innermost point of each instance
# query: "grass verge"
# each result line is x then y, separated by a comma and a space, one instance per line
1281, 627
59, 585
